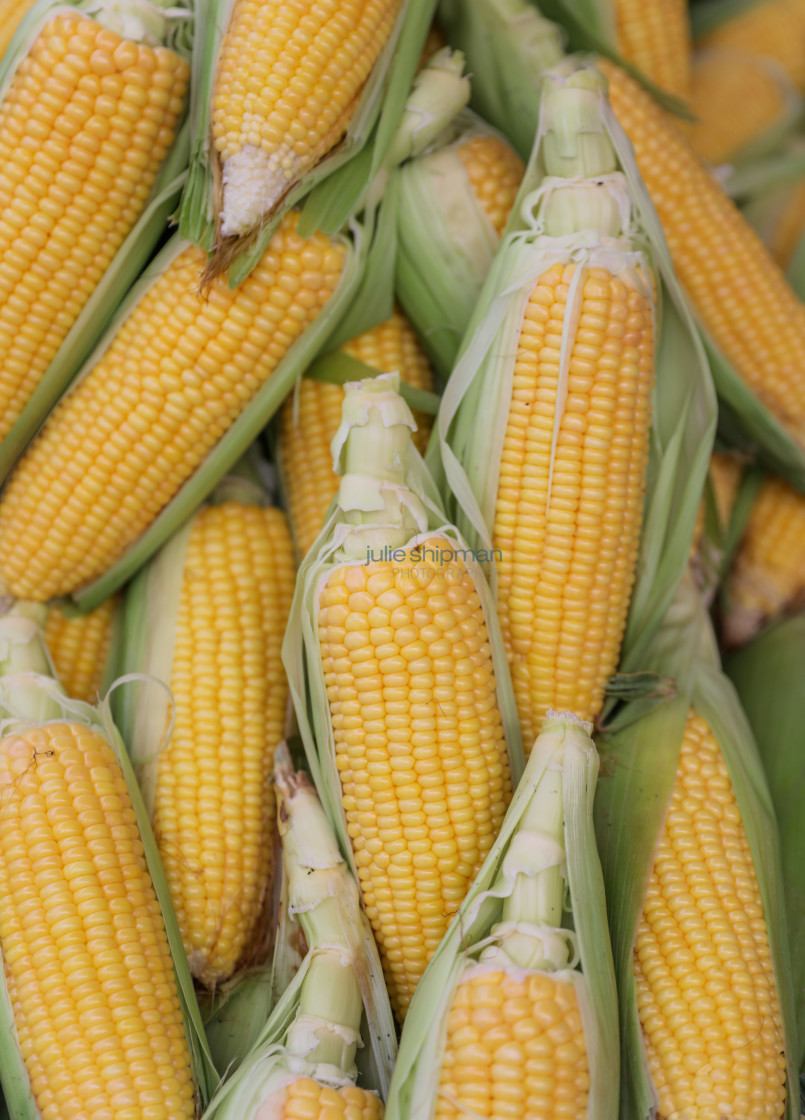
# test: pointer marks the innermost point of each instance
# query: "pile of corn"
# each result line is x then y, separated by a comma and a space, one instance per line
402, 413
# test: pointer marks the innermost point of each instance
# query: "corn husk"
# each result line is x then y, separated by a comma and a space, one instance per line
639, 760
325, 899
30, 695
767, 674
357, 159
175, 29
472, 418
416, 1077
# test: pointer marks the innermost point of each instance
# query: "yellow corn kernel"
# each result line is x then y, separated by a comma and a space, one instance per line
213, 806
80, 645
84, 127
705, 989
304, 443
179, 371
515, 1048
566, 559
771, 29
736, 98
89, 972
306, 1099
419, 743
289, 77
767, 577
654, 35
495, 172
434, 42
739, 294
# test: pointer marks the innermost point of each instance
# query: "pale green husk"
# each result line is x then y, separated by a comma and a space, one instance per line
245, 429
639, 759
416, 1076
472, 417
357, 159
421, 515
30, 693
768, 676
299, 1037
135, 251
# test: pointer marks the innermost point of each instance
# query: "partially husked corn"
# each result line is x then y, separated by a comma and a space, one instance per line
87, 964
419, 743
84, 128
654, 35
706, 994
80, 645
515, 1048
288, 80
179, 371
308, 422
738, 293
495, 172
568, 527
306, 1099
213, 804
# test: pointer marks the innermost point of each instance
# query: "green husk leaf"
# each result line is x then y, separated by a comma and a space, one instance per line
707, 16
123, 270
236, 1017
245, 429
416, 1074
371, 128
337, 368
638, 765
768, 676
754, 180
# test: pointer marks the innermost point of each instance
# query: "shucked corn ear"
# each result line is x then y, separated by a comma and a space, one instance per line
206, 617
303, 1064
401, 696
310, 418
767, 673
773, 29
551, 423
81, 645
87, 118
452, 204
689, 848
94, 1021
157, 396
516, 1016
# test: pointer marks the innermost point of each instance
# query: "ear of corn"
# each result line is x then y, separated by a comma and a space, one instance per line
768, 676
256, 338
744, 105
72, 813
772, 29
206, 619
403, 702
547, 375
380, 104
303, 1064
452, 204
654, 35
516, 1014
81, 648
689, 849
310, 418
85, 154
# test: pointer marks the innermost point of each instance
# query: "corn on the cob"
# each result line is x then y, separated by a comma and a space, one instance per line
86, 122
705, 988
399, 645
654, 35
279, 107
767, 578
207, 617
308, 424
175, 376
88, 973
303, 1065
739, 294
772, 29
11, 13
80, 645
512, 1011
739, 100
